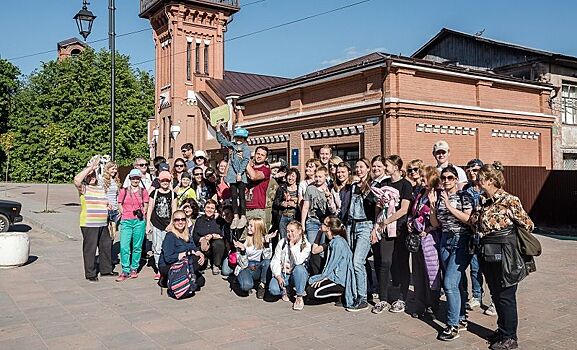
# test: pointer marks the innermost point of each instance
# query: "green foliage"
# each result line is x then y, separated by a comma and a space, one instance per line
61, 116
8, 87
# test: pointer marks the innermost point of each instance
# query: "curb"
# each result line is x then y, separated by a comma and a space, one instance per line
29, 217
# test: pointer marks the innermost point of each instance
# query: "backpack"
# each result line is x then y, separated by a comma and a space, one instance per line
182, 278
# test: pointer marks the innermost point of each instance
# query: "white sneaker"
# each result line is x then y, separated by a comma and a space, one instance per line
397, 307
473, 303
491, 311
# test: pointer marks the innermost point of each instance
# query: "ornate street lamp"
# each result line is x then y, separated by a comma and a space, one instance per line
84, 19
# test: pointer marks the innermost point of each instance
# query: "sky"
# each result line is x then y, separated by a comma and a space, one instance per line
395, 27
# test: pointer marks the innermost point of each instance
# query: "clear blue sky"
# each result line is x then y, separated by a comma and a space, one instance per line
31, 26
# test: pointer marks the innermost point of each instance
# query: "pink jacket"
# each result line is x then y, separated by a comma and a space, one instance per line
388, 199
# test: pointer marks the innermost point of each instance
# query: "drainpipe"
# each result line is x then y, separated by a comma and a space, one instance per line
385, 120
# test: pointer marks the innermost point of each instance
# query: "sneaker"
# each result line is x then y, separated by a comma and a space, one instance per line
156, 276
234, 224
122, 277
359, 305
299, 303
285, 296
380, 307
491, 311
495, 337
397, 307
463, 324
473, 303
505, 344
133, 274
92, 279
260, 291
110, 274
242, 222
215, 270
449, 333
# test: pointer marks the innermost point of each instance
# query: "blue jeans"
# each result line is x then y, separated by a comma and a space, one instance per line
455, 259
476, 278
362, 244
256, 271
312, 228
284, 221
297, 279
225, 269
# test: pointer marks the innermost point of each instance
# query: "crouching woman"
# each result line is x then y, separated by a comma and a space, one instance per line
338, 275
177, 243
288, 265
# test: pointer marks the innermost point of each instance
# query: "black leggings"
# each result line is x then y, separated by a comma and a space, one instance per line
237, 190
383, 254
326, 290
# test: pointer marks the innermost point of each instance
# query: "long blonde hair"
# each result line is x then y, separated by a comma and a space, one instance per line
106, 179
184, 234
258, 234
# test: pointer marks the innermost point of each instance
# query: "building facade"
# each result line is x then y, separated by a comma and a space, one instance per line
376, 104
451, 47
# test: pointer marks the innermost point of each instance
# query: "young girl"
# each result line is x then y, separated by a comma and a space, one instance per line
184, 190
254, 260
287, 265
338, 275
236, 174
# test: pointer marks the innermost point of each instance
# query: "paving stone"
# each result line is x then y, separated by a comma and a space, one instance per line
30, 342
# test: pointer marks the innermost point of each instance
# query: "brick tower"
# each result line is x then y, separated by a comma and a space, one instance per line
189, 48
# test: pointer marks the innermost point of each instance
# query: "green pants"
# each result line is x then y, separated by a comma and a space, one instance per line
131, 231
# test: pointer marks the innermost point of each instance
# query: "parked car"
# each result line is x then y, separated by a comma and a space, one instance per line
9, 214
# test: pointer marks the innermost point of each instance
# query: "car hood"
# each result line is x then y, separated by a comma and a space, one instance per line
10, 203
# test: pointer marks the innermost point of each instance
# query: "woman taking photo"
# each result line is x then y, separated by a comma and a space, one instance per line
450, 212
177, 243
286, 200
93, 223
358, 211
338, 275
207, 236
390, 252
495, 222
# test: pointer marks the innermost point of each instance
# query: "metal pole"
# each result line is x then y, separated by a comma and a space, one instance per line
112, 45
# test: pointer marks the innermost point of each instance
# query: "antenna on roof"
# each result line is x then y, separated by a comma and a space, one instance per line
480, 33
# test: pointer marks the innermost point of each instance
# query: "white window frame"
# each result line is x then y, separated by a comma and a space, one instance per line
569, 103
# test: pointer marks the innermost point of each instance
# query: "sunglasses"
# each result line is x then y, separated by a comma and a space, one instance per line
412, 170
183, 150
179, 219
143, 164
197, 174
440, 152
450, 178
473, 170
165, 180
134, 179
179, 165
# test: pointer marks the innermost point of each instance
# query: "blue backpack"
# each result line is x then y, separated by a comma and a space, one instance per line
182, 278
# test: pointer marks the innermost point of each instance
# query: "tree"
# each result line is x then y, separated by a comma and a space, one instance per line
74, 96
7, 142
55, 138
8, 87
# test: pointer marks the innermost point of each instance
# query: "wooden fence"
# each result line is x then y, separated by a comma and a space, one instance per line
549, 196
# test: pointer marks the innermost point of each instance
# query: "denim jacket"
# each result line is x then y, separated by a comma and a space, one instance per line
339, 268
237, 164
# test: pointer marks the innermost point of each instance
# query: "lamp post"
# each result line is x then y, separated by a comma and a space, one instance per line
84, 19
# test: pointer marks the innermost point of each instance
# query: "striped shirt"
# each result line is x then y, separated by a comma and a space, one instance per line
93, 204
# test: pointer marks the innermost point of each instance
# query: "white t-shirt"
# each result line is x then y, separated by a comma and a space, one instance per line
145, 182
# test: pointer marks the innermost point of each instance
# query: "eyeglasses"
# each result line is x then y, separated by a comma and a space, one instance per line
412, 170
142, 164
197, 174
450, 178
179, 165
440, 152
179, 219
473, 170
134, 179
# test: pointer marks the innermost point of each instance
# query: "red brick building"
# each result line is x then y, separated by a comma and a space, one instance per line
376, 104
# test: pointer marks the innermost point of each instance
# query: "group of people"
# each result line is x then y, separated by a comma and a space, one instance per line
319, 237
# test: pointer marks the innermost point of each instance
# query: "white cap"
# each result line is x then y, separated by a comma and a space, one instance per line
200, 154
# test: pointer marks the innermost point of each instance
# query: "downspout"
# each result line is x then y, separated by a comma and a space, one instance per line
385, 120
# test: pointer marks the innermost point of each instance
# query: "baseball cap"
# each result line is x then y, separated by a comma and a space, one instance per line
135, 173
164, 175
200, 154
474, 162
441, 145
163, 167
186, 174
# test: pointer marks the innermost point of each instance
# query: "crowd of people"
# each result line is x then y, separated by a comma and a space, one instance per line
353, 235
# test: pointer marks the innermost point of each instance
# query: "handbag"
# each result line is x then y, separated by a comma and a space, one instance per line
232, 259
492, 252
413, 242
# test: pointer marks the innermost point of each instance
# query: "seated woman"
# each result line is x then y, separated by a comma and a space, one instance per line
176, 244
207, 235
288, 265
254, 258
338, 275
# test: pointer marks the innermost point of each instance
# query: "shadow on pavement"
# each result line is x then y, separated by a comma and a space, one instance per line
20, 228
31, 259
71, 204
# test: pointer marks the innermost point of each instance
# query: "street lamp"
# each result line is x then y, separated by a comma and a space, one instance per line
84, 19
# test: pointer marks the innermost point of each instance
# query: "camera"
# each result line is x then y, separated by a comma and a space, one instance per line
138, 213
